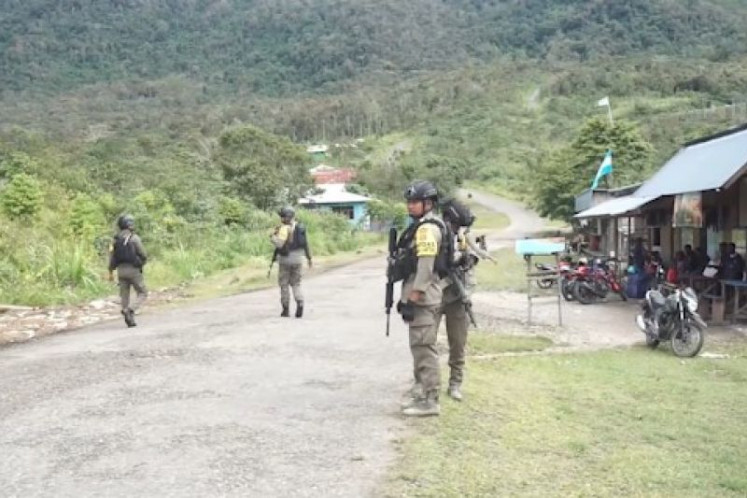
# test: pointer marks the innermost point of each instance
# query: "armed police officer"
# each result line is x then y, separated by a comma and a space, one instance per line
459, 218
422, 264
128, 257
291, 246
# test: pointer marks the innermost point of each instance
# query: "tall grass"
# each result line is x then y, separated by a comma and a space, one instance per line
43, 269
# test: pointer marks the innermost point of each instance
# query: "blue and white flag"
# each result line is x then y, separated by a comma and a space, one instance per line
604, 169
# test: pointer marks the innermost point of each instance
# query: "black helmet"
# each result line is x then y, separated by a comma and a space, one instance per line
125, 221
421, 190
286, 212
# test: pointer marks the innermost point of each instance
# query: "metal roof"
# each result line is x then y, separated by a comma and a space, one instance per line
705, 164
333, 193
616, 207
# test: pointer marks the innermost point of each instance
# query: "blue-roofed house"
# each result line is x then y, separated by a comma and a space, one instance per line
335, 197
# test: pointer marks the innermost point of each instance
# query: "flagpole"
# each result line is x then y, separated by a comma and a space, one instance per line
609, 112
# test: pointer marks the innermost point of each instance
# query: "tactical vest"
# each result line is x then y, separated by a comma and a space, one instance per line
295, 242
406, 261
125, 252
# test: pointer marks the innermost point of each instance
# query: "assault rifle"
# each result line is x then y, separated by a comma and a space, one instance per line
389, 297
274, 258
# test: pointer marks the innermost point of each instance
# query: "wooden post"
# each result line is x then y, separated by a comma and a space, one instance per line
616, 237
528, 258
560, 291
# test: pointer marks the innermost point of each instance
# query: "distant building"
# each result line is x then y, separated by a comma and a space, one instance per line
334, 197
319, 152
324, 174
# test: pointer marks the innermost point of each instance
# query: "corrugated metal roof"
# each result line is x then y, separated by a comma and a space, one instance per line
616, 207
705, 164
333, 193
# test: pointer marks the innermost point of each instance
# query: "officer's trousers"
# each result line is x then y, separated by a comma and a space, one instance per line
289, 277
456, 330
130, 276
423, 334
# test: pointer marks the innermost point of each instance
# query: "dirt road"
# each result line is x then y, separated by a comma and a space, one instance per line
223, 398
219, 399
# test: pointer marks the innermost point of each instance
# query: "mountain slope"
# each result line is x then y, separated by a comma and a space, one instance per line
282, 46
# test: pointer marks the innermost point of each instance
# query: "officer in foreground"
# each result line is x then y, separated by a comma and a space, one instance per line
422, 265
127, 256
291, 246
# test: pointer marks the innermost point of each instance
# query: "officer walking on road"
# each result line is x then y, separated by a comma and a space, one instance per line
423, 266
291, 245
127, 256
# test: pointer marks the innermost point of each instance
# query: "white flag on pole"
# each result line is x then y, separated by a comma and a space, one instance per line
604, 102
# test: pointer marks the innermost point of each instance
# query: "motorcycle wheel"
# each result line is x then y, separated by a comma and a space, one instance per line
566, 287
687, 340
651, 342
546, 283
602, 288
583, 293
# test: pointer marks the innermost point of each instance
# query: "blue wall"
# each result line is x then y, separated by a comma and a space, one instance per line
359, 210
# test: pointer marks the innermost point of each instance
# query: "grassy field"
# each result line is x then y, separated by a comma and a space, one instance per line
509, 272
612, 423
487, 220
253, 275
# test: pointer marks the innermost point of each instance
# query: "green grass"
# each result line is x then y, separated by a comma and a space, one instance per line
482, 343
496, 187
253, 274
509, 272
613, 423
487, 219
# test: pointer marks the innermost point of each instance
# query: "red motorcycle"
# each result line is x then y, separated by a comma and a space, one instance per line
570, 279
597, 282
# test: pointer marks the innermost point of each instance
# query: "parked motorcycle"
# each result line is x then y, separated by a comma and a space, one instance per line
597, 283
569, 280
547, 283
672, 318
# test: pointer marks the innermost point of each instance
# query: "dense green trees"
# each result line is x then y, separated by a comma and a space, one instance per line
569, 171
261, 168
191, 114
284, 47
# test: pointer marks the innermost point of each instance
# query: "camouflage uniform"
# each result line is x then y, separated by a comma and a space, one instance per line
291, 255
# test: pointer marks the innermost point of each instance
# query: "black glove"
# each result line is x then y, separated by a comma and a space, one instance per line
407, 310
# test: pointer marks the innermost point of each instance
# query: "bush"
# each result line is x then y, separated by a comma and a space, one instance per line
22, 198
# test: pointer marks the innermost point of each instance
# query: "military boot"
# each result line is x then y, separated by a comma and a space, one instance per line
413, 395
129, 317
299, 309
285, 312
424, 407
455, 391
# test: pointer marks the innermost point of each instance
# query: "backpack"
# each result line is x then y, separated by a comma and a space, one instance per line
457, 212
125, 252
296, 241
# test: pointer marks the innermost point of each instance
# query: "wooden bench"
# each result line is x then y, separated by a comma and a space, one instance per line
712, 307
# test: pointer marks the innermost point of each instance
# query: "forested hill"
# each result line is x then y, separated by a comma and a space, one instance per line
279, 46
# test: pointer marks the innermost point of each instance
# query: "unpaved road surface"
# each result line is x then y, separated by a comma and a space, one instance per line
223, 398
523, 221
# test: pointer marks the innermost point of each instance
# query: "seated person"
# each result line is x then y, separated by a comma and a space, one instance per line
732, 267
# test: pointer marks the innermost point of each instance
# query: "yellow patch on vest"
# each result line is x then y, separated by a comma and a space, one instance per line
426, 244
462, 242
283, 232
